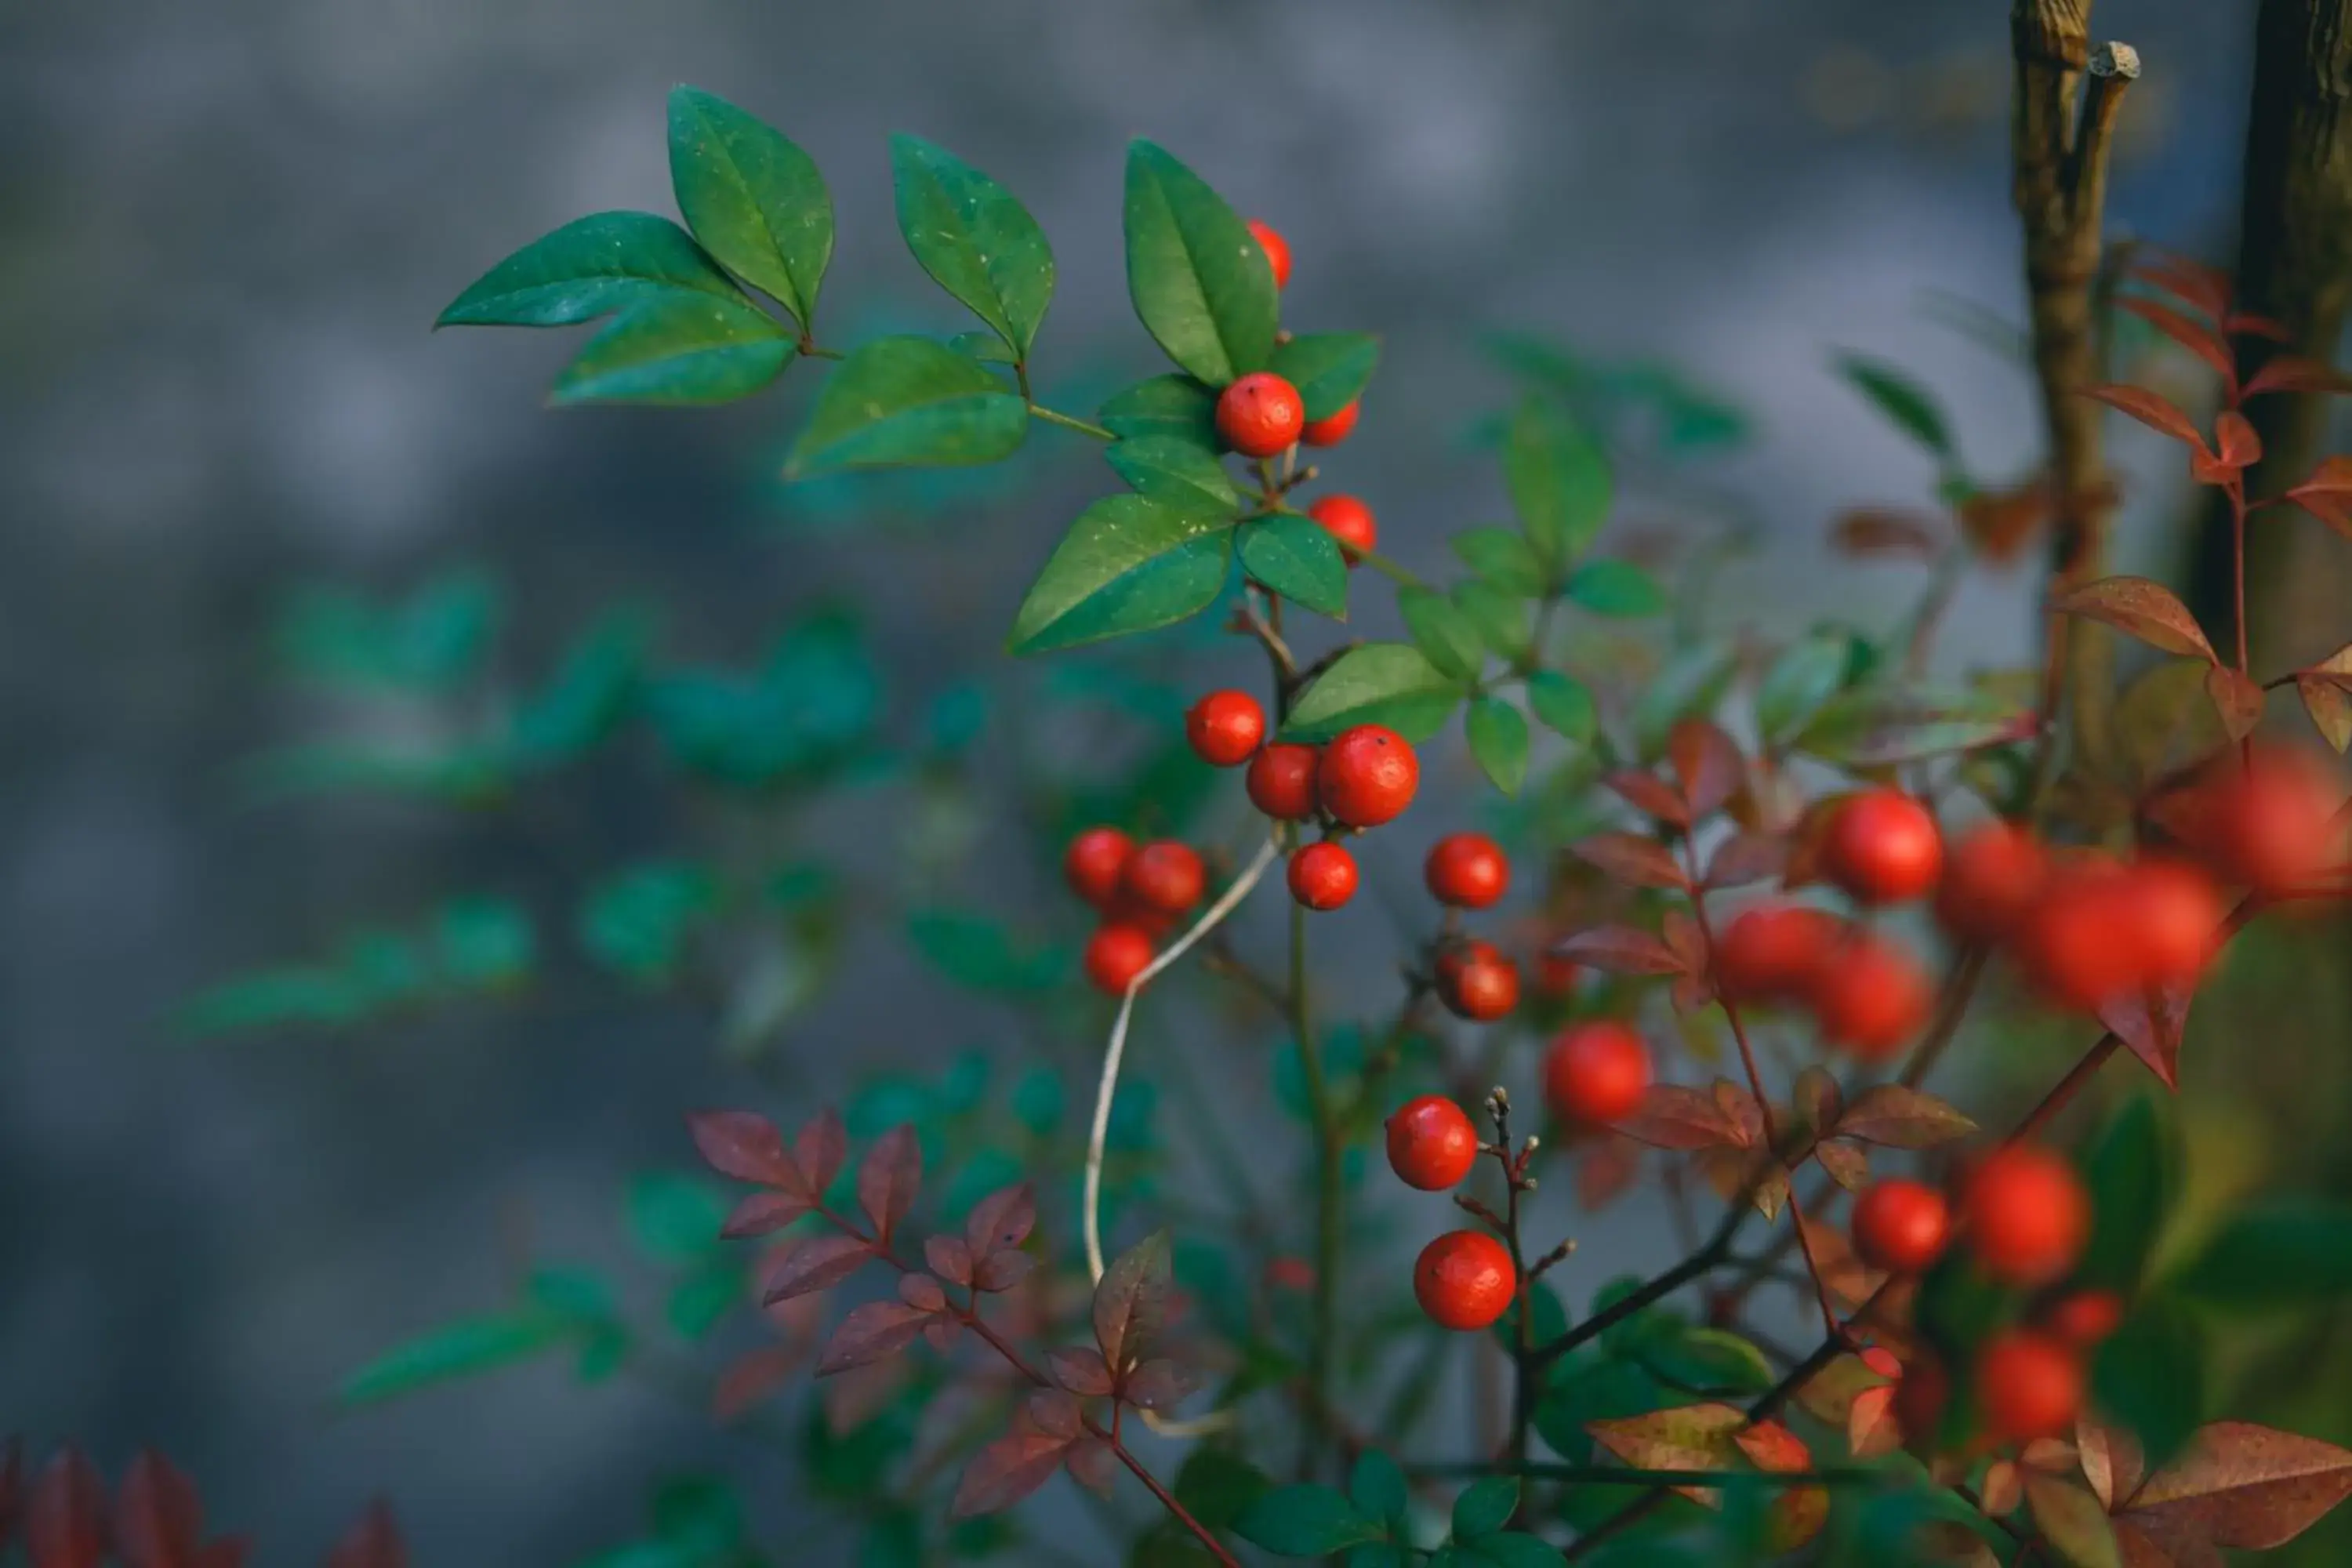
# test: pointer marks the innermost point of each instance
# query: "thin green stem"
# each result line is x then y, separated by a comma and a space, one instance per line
810, 351
1403, 575
1327, 1197
1068, 422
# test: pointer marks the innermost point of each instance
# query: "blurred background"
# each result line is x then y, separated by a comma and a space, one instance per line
229, 438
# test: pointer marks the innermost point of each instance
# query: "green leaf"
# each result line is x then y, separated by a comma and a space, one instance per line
676, 1217
1185, 475
1502, 556
1797, 683
582, 701
1514, 1548
1485, 1507
1379, 683
589, 268
1128, 564
1174, 406
678, 348
1377, 1489
1304, 1521
909, 401
1689, 683
1501, 618
1715, 1360
1216, 1485
1559, 481
979, 954
1442, 632
702, 1300
465, 1348
1616, 588
1375, 1554
1563, 705
639, 921
986, 347
1498, 739
1298, 558
2133, 1175
1903, 401
754, 200
2283, 1253
1873, 726
975, 240
1201, 285
484, 943
1330, 369
2149, 1376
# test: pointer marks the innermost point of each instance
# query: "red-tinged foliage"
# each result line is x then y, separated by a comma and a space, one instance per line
1631, 859
1619, 950
762, 1213
1159, 1384
1883, 530
2150, 410
1708, 765
889, 1179
870, 1332
2140, 608
1676, 1116
923, 1293
65, 1516
158, 1518
2327, 494
2198, 338
2292, 372
1649, 794
2193, 282
374, 1542
1605, 1170
2235, 449
818, 1263
1080, 1369
1998, 523
2243, 324
1898, 1116
1130, 1306
2239, 1486
747, 1147
753, 1377
1746, 858
2151, 1024
1001, 1220
1009, 1469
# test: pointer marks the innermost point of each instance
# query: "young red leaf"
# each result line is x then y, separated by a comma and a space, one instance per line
2292, 372
1649, 794
1007, 1470
2236, 447
1091, 1465
2112, 1461
2147, 610
1708, 765
158, 1518
1054, 1412
1740, 1106
747, 1147
870, 1332
1631, 859
64, 1517
1002, 1269
2152, 1026
2327, 494
2246, 324
1130, 1305
1871, 1428
749, 1380
817, 1264
1674, 1116
922, 1292
1817, 1098
1882, 530
2236, 698
1607, 1169
889, 1178
2330, 707
1900, 1117
1829, 1394
2193, 282
1620, 950
2150, 410
2197, 337
949, 1257
1998, 522
761, 1214
941, 1332
1843, 1163
373, 1541
1159, 1384
1746, 858
822, 1149
1002, 1219
1080, 1369
1773, 1448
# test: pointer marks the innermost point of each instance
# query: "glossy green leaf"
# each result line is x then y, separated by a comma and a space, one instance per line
1690, 683
975, 240
1377, 1489
1498, 739
909, 401
1201, 285
1903, 401
1330, 369
1175, 405
465, 1348
1485, 1505
1442, 632
1304, 1521
675, 1217
1502, 557
2281, 1253
2149, 1376
1502, 619
1715, 1360
754, 200
1128, 564
1379, 683
1799, 682
1563, 705
988, 349
1185, 475
2133, 1174
1215, 1485
1298, 558
1615, 588
589, 268
1559, 482
679, 348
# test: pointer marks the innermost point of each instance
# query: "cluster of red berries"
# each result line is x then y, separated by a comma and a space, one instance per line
1475, 979
1465, 1279
1139, 889
1260, 415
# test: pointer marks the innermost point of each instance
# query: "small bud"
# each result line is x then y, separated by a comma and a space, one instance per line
1532, 1144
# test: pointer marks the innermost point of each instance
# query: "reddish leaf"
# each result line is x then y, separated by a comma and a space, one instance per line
2205, 287
2330, 707
1080, 1369
942, 1332
822, 1149
158, 1518
817, 1264
922, 1292
747, 1147
1620, 950
2290, 373
1006, 1471
1842, 1273
1998, 522
1607, 1170
1159, 1384
2243, 1487
1130, 1306
2236, 449
1692, 1438
1091, 1465
1649, 794
870, 1332
1707, 762
1746, 858
751, 1378
1843, 1163
1900, 1117
2112, 1461
889, 1178
761, 1213
1631, 859
2149, 611
1817, 1098
1882, 530
1674, 1116
1740, 1106
64, 1517
1002, 1271
12, 1490
1829, 1394
1871, 1428
2150, 410
862, 1393
2072, 1522
2236, 698
949, 1257
1054, 1412
2327, 494
1773, 1448
2151, 1025
2198, 338
374, 1542
2245, 324
1002, 1219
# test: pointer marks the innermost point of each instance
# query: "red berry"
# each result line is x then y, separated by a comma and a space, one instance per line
1775, 953
1165, 876
1555, 975
1870, 997
1466, 870
1281, 780
1322, 876
1367, 776
1278, 250
1260, 415
2176, 921
1476, 981
1286, 1271
1226, 727
1125, 909
1116, 954
2028, 1386
1883, 848
1350, 522
1464, 1280
2078, 945
1431, 1144
1901, 1226
1093, 862
1331, 431
2026, 1214
2085, 1318
2272, 823
1595, 1073
1994, 878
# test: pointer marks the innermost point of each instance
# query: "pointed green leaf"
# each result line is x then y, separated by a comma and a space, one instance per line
1174, 406
1498, 739
1442, 632
679, 348
2133, 1175
1559, 481
1330, 369
589, 268
1485, 1507
1501, 556
1187, 477
2149, 1376
975, 240
1615, 588
461, 1349
1298, 558
1501, 618
1380, 683
1128, 564
1799, 683
1515, 1549
1903, 401
1563, 705
1715, 1361
754, 200
1200, 284
909, 401
1376, 1487
1304, 1521
986, 347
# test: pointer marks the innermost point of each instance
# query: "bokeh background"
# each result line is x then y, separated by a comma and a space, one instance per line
226, 231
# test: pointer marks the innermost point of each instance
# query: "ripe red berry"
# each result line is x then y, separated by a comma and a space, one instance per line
1464, 1280
1467, 870
1993, 879
1334, 429
1775, 953
1278, 250
2176, 921
1476, 981
1555, 975
1287, 1271
1322, 876
1094, 863
1883, 848
2272, 823
1367, 776
1901, 1226
2084, 1318
1350, 522
1281, 780
2028, 1386
1595, 1073
1226, 728
1165, 876
1431, 1144
1870, 997
1260, 415
2025, 1214
2078, 946
1116, 954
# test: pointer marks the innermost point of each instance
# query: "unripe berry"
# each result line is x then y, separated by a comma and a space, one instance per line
1260, 415
2078, 946
1467, 870
1224, 727
2028, 1386
2084, 1318
1994, 878
1368, 776
1116, 954
1464, 1280
2025, 1214
1350, 522
2176, 921
1278, 250
1322, 876
1165, 876
1431, 1144
1871, 997
1901, 1226
1094, 863
1775, 953
1334, 429
1596, 1073
1281, 780
1476, 981
1883, 848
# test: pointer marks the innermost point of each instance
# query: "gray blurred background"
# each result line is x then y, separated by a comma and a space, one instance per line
226, 230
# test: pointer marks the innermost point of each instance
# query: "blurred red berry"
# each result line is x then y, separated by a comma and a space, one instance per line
1901, 1226
2028, 1386
2078, 945
1094, 863
1775, 953
1476, 981
1278, 250
2176, 918
1286, 1272
1368, 776
1596, 1073
1322, 876
1281, 780
1165, 876
2025, 1214
1431, 1144
1467, 870
2084, 1318
1350, 522
1871, 997
1260, 415
1116, 954
1991, 882
1224, 727
1883, 846
1464, 1280
2273, 823
1332, 430
1555, 975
